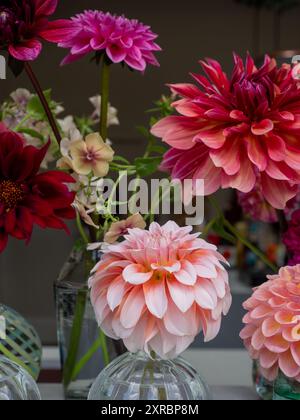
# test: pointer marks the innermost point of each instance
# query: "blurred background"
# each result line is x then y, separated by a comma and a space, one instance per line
188, 31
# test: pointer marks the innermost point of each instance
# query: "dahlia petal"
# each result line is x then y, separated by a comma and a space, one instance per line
277, 344
132, 308
45, 7
267, 359
243, 181
213, 138
180, 325
261, 311
262, 128
187, 274
115, 293
26, 51
288, 365
276, 148
256, 153
258, 340
116, 53
270, 327
211, 176
139, 65
205, 294
156, 298
136, 274
295, 350
183, 296
248, 331
178, 132
3, 241
228, 158
211, 328
187, 90
277, 193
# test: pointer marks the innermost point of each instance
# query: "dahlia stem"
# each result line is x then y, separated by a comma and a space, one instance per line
105, 84
44, 102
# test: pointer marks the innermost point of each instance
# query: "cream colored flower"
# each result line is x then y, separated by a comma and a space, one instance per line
119, 229
84, 213
91, 155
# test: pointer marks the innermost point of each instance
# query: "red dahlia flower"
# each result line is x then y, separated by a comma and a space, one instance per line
22, 23
26, 197
237, 132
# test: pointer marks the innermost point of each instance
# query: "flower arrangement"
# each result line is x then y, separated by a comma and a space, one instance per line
155, 288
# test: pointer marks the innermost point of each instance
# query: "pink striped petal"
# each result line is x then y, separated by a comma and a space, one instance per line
288, 365
183, 296
262, 128
133, 308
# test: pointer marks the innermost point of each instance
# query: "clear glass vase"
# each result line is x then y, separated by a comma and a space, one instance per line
83, 347
138, 377
15, 383
286, 389
263, 387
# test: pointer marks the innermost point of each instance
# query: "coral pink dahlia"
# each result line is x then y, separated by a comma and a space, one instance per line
159, 288
272, 332
123, 40
237, 132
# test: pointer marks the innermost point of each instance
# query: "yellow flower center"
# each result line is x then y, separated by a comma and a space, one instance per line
10, 194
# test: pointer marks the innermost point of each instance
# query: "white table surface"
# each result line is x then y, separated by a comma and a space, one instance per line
228, 373
54, 392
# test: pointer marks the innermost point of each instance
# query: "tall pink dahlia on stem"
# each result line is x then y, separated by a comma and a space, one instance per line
159, 288
272, 332
237, 132
121, 39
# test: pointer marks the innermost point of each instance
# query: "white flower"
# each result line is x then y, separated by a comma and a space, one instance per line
112, 117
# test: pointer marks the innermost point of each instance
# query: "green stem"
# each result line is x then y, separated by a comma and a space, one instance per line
248, 244
70, 362
23, 121
105, 82
81, 229
105, 353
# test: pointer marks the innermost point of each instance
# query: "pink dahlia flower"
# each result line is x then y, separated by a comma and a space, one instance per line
159, 288
23, 23
237, 132
255, 206
123, 40
272, 332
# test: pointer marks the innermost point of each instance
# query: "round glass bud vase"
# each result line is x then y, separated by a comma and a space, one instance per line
19, 341
263, 387
15, 383
83, 348
286, 389
138, 377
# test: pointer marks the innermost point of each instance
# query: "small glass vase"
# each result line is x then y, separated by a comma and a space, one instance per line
139, 377
263, 387
286, 389
15, 383
83, 347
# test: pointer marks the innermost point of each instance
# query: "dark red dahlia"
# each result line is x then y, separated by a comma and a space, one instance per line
26, 196
22, 23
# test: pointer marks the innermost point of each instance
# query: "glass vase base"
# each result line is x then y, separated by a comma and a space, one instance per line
78, 390
138, 377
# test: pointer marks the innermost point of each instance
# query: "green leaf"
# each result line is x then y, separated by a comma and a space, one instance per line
158, 149
31, 133
121, 159
35, 106
147, 166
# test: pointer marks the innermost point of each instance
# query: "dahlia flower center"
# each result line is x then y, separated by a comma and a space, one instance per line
10, 194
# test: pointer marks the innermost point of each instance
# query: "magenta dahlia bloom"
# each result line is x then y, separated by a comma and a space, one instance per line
237, 132
23, 23
123, 40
